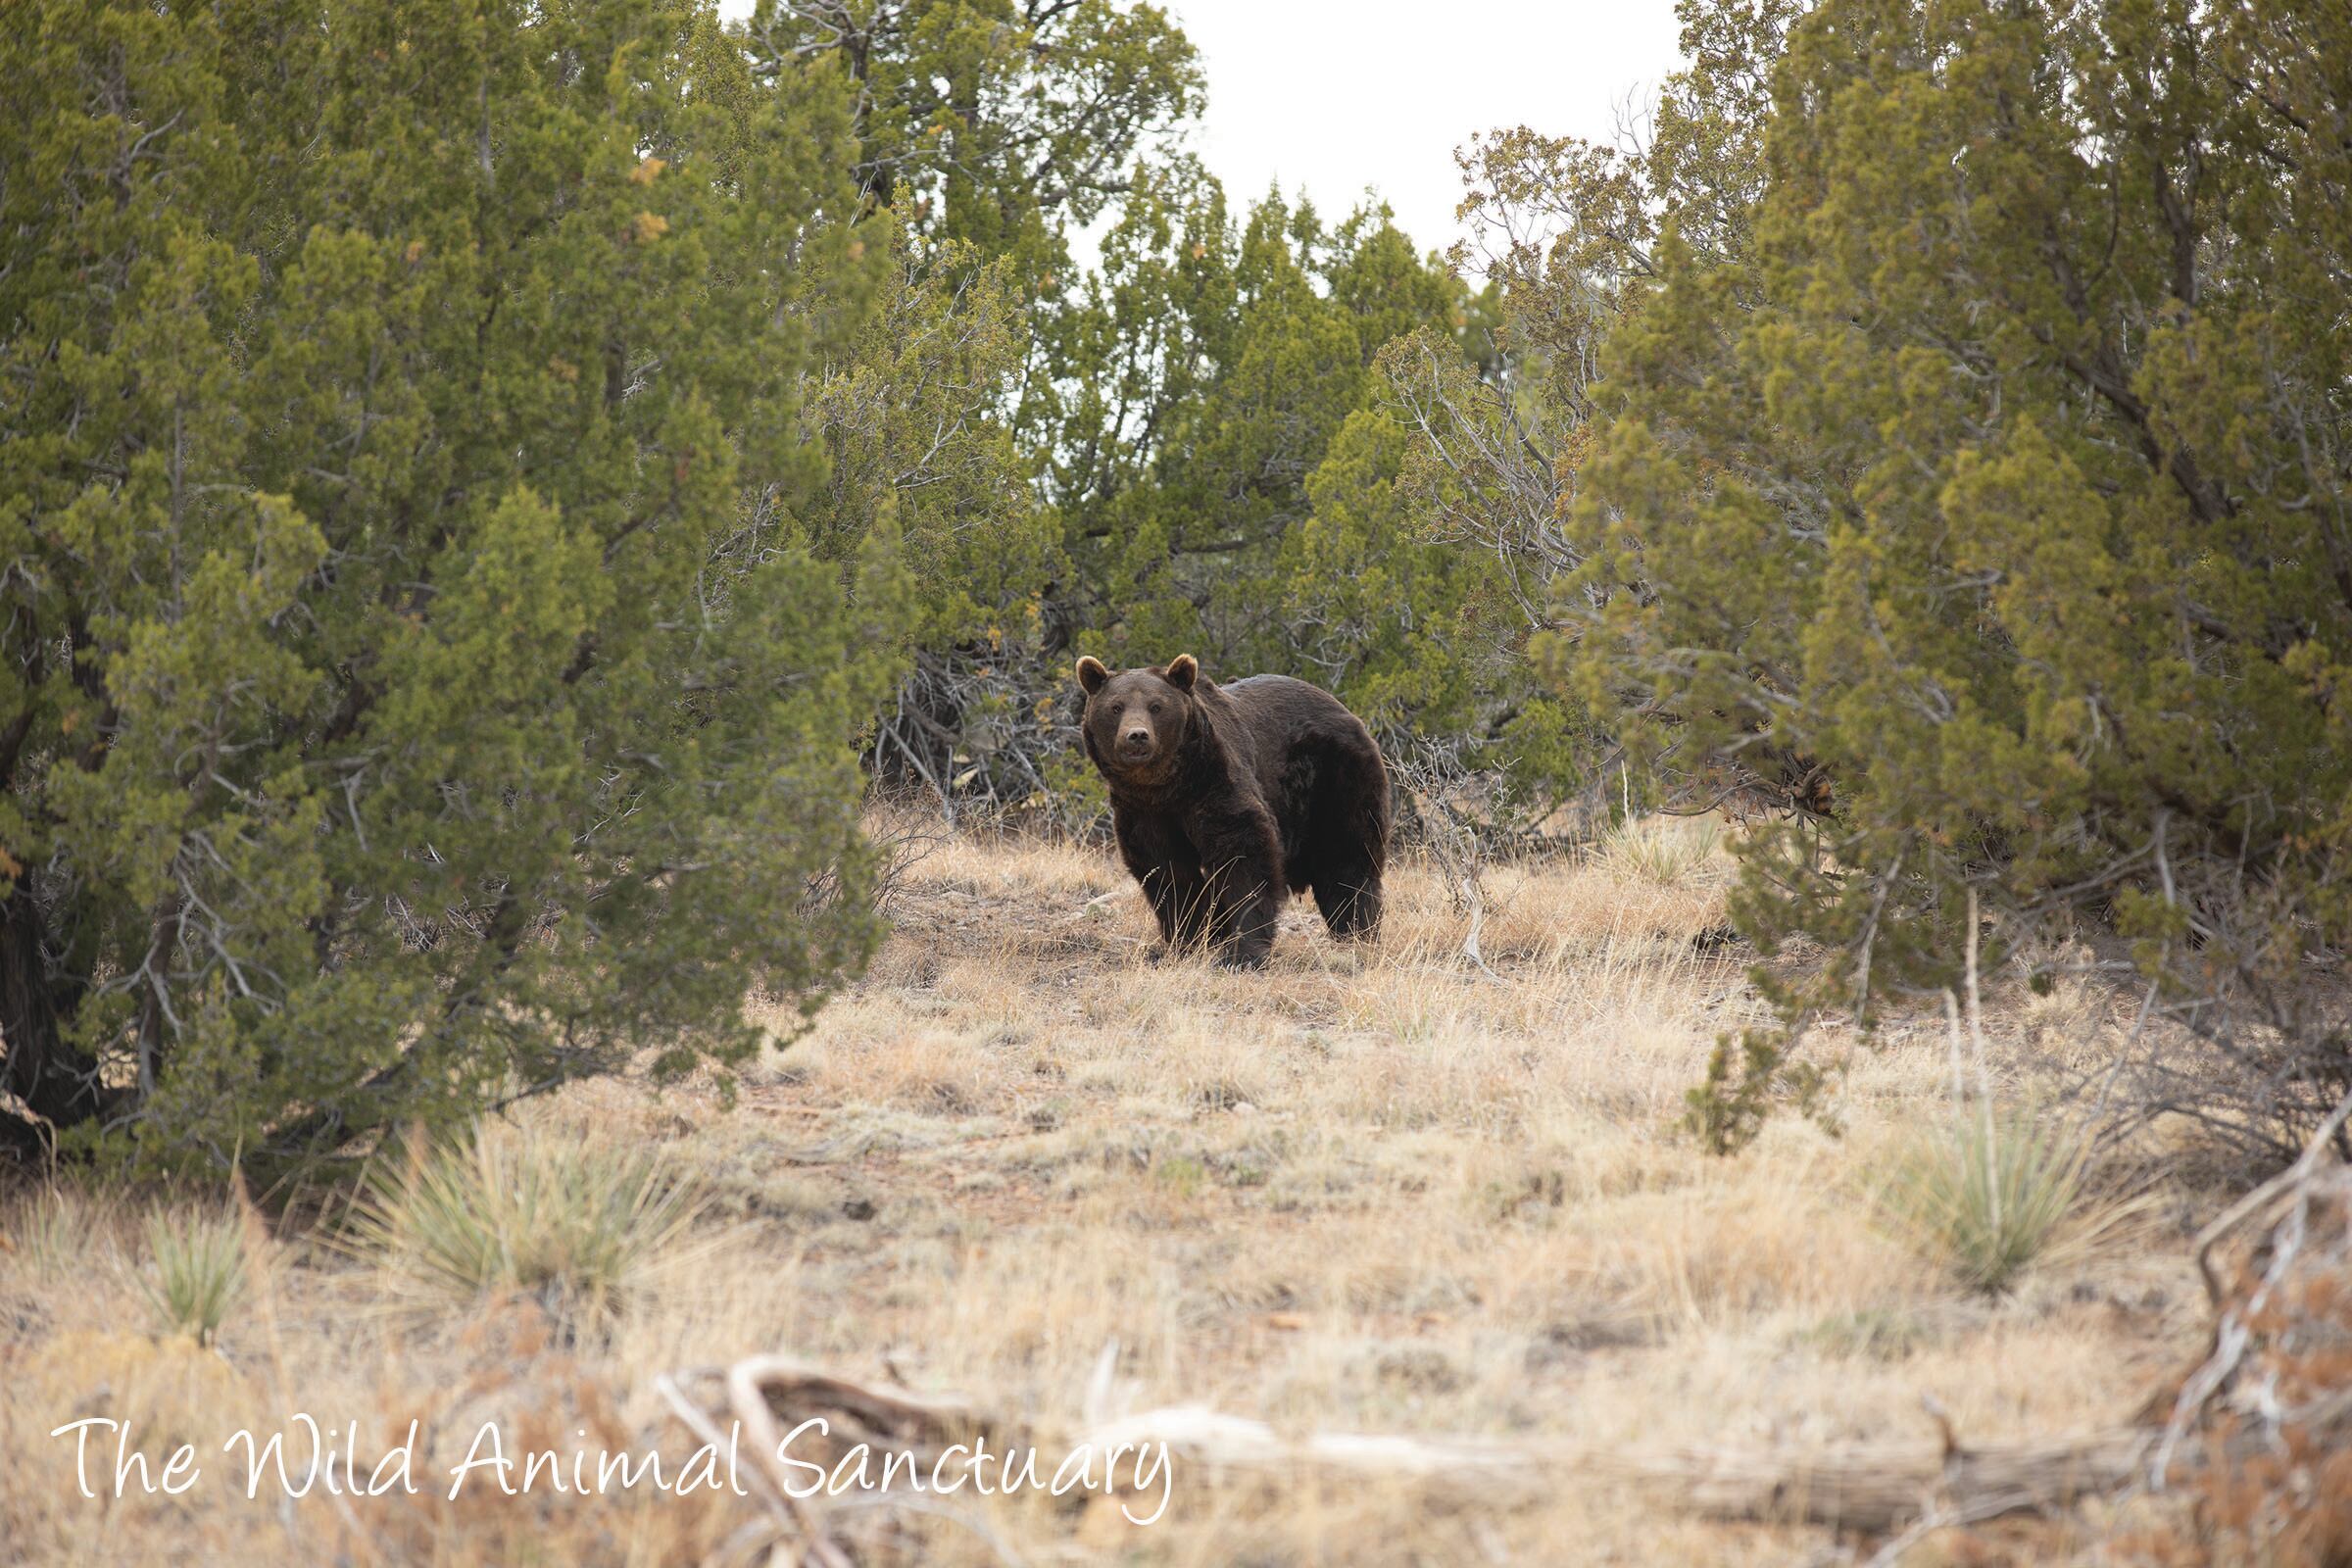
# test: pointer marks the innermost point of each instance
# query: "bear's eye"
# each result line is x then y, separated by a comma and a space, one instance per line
1156, 704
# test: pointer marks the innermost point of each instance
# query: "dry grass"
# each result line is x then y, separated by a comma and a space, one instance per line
1358, 1191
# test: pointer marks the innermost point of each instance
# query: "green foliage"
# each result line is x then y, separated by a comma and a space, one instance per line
418, 683
1967, 481
1749, 1075
196, 1271
914, 431
1986, 1196
1228, 461
989, 130
917, 428
1205, 415
579, 1228
1377, 608
990, 121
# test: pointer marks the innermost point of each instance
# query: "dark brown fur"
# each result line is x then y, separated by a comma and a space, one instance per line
1224, 797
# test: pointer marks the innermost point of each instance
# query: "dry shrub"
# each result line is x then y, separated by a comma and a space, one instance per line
2269, 1474
1668, 850
516, 1371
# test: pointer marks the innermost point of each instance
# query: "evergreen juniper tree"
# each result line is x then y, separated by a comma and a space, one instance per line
419, 689
1981, 495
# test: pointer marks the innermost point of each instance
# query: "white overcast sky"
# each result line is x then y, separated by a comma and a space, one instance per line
1335, 97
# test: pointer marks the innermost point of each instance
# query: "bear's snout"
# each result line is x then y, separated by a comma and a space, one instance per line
1135, 741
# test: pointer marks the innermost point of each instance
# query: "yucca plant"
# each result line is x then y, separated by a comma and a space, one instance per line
577, 1226
1989, 1194
196, 1271
1661, 849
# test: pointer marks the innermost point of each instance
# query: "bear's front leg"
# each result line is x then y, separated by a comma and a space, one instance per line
1189, 898
1245, 885
1161, 858
1180, 903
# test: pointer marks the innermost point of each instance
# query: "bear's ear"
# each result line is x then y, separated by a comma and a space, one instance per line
1091, 675
1182, 671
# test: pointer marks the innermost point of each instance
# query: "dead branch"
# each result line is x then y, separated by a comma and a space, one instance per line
1430, 777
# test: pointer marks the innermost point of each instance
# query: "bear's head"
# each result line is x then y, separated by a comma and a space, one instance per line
1138, 720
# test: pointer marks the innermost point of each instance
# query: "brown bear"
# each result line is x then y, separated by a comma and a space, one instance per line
1224, 797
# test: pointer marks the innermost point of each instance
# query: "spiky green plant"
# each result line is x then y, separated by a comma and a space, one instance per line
578, 1226
1989, 1194
1661, 849
196, 1271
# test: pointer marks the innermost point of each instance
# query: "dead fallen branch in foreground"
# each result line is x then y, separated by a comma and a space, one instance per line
2270, 1386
